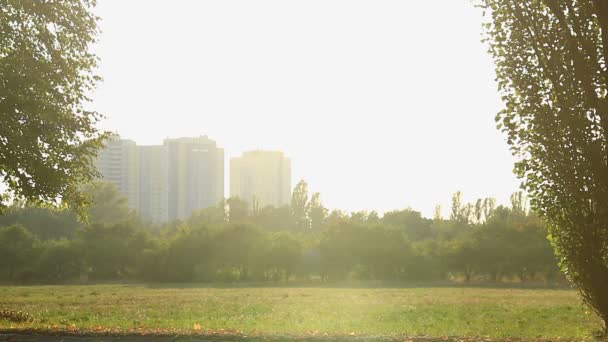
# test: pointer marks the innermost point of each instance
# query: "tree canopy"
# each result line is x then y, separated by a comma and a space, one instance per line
551, 63
48, 138
270, 246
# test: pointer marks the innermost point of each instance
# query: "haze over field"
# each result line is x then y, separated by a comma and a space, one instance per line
339, 126
379, 104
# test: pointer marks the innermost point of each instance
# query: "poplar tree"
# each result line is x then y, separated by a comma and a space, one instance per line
551, 64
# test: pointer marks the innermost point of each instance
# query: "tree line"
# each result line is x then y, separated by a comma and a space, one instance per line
302, 242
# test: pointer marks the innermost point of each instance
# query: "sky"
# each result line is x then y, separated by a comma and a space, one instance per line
381, 105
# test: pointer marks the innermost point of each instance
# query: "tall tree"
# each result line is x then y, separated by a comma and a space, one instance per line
478, 210
299, 205
460, 212
48, 138
489, 205
551, 64
316, 211
437, 216
519, 203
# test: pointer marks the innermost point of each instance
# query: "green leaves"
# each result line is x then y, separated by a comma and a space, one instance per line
551, 72
48, 140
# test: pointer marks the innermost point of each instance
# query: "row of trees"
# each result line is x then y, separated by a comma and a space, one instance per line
303, 242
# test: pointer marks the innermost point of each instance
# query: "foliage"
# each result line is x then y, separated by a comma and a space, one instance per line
551, 65
60, 261
211, 215
299, 205
48, 138
108, 205
270, 246
237, 209
274, 219
18, 250
45, 222
316, 211
110, 251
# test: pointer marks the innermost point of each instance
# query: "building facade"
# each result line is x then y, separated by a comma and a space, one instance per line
118, 163
165, 182
195, 175
261, 178
153, 183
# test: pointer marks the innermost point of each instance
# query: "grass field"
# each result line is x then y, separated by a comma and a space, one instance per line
482, 312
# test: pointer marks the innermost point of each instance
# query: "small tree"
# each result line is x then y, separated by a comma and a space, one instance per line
108, 205
18, 250
551, 61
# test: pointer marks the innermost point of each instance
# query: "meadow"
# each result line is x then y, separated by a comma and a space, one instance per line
494, 313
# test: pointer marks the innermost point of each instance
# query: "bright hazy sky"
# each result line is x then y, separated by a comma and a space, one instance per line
380, 104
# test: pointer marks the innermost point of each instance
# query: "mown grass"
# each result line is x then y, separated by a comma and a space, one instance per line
482, 312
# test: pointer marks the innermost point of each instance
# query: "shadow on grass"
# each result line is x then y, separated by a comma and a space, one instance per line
320, 285
357, 285
67, 336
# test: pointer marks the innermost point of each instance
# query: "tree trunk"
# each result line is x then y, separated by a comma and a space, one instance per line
467, 275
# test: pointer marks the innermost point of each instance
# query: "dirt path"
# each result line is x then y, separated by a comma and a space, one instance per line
39, 338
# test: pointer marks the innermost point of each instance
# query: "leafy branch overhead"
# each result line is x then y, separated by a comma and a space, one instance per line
48, 138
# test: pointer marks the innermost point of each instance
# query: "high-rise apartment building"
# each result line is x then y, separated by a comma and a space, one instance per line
165, 182
118, 163
153, 183
262, 178
195, 175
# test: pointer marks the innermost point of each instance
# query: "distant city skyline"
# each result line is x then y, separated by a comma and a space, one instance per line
379, 107
167, 182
